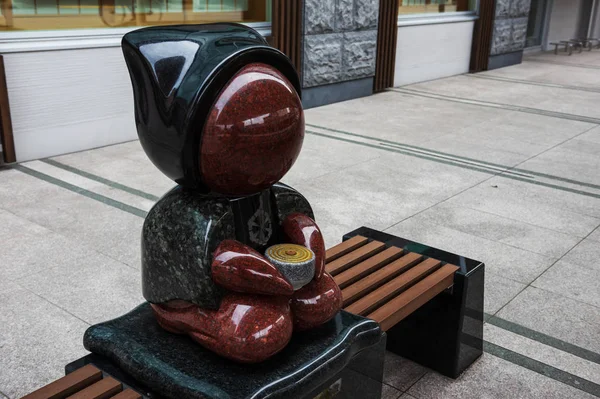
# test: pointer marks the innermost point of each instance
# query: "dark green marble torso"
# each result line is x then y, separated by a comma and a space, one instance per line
184, 228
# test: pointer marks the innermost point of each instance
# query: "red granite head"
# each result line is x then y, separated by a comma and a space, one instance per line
253, 133
217, 109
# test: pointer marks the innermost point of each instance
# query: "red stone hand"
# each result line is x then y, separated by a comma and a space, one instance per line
245, 328
316, 303
239, 268
302, 230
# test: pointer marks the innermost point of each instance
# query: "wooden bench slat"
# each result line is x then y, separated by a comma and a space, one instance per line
128, 394
368, 266
413, 298
354, 257
378, 278
68, 385
102, 389
381, 295
344, 248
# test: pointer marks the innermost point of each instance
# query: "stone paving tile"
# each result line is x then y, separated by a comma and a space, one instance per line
595, 236
399, 117
29, 248
501, 92
407, 396
549, 73
37, 339
126, 164
86, 221
548, 355
591, 136
94, 289
26, 255
572, 281
16, 226
92, 185
501, 259
494, 378
528, 203
577, 160
401, 373
321, 155
498, 291
505, 230
557, 316
585, 254
373, 186
557, 203
389, 392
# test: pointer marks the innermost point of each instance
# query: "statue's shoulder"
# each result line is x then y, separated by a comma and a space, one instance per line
289, 200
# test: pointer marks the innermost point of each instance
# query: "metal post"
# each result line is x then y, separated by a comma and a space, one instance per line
593, 17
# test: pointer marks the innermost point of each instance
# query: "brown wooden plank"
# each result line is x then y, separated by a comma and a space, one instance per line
345, 247
381, 295
354, 257
380, 277
6, 130
128, 394
413, 298
69, 384
103, 389
368, 266
385, 58
482, 37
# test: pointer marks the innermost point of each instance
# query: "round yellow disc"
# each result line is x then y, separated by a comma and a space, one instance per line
289, 253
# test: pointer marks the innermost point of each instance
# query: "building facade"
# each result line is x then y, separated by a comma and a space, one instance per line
64, 85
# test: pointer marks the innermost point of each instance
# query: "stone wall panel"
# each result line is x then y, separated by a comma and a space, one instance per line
322, 59
358, 56
319, 16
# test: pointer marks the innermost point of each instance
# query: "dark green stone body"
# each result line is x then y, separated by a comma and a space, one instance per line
183, 229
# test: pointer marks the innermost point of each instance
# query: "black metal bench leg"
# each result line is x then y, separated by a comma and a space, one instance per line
445, 334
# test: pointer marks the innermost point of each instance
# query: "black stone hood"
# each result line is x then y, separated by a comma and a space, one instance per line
177, 73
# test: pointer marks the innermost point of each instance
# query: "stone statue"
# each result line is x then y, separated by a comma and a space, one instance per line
218, 111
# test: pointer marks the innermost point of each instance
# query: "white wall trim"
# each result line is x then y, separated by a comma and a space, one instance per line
49, 40
441, 18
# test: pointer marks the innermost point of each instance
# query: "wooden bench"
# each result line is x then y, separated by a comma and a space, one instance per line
385, 284
429, 302
87, 382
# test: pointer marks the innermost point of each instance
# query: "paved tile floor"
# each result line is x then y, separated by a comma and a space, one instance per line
503, 166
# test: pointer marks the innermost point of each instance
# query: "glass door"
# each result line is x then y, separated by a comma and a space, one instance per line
535, 26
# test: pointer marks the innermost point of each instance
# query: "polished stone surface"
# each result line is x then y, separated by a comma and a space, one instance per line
219, 112
316, 303
245, 328
174, 366
253, 133
239, 268
302, 230
177, 73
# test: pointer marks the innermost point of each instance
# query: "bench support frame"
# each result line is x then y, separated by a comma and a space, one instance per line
445, 334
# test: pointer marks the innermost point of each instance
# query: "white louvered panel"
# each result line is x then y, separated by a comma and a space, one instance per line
68, 100
434, 51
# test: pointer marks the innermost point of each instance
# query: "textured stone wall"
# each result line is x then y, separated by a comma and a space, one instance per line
510, 26
340, 40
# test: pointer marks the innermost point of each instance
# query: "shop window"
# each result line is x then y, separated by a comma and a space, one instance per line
26, 15
412, 7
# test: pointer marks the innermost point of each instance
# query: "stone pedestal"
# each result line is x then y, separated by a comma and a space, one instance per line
343, 357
